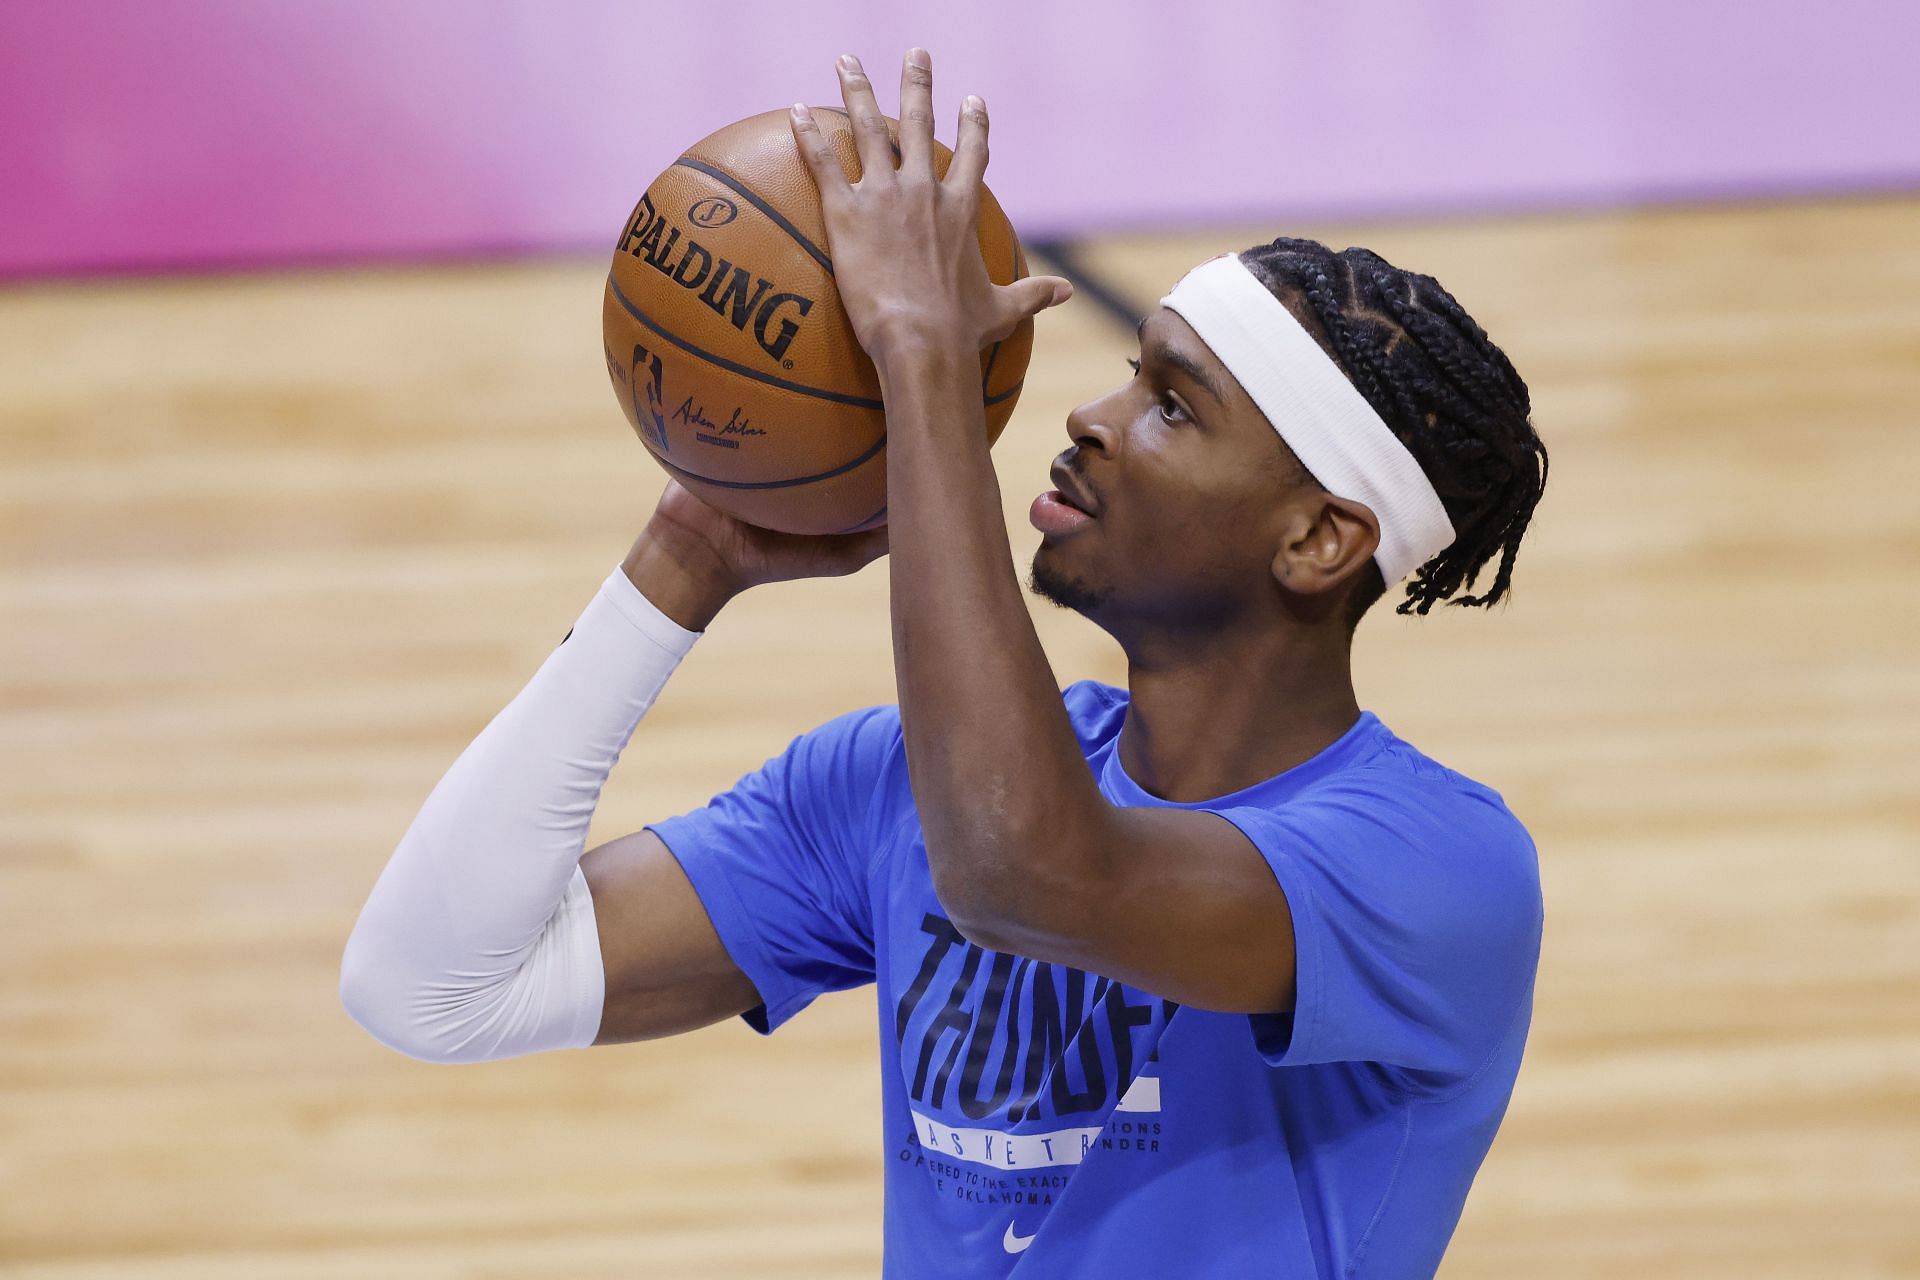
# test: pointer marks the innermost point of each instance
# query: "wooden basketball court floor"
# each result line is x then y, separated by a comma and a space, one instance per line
276, 546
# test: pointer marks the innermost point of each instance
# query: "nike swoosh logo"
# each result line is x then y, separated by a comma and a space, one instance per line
1015, 1243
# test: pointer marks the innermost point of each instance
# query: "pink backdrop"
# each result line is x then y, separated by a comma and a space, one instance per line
135, 134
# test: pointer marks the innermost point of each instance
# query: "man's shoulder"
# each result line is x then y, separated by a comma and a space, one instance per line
867, 746
1095, 711
1400, 792
877, 723
860, 746
1401, 828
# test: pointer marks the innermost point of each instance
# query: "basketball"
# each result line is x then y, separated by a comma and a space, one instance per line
728, 347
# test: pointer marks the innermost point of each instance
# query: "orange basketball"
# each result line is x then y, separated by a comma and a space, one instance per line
729, 348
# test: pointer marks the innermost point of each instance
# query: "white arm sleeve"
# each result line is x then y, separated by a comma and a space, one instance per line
479, 941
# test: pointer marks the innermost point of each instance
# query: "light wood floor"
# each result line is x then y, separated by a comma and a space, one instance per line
276, 547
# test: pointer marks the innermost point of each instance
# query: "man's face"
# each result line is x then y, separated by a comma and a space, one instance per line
1170, 502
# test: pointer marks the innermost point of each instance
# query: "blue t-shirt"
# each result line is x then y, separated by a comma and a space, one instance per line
1045, 1122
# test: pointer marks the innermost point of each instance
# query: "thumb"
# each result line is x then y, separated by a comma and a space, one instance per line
1026, 298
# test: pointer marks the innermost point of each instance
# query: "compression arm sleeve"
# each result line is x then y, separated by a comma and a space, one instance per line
479, 940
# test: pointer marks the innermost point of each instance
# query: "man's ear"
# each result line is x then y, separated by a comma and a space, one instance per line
1325, 544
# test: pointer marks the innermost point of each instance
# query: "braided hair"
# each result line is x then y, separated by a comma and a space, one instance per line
1450, 395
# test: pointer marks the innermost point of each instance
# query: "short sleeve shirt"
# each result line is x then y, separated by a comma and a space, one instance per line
1041, 1121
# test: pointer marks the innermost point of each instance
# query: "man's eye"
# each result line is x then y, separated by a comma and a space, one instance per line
1169, 407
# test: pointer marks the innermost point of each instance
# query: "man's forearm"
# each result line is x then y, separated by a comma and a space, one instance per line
997, 773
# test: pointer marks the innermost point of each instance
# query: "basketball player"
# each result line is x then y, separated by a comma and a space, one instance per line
1210, 976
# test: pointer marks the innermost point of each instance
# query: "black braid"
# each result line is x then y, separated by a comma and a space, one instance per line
1450, 395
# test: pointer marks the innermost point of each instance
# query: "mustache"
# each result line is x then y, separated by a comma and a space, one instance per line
1071, 480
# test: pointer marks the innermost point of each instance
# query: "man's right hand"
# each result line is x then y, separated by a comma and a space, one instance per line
692, 558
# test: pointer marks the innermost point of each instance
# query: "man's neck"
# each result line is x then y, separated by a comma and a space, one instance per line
1217, 713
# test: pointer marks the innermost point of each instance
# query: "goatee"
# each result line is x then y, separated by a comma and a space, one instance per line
1068, 593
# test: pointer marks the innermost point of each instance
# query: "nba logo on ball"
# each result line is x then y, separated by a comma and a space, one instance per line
714, 211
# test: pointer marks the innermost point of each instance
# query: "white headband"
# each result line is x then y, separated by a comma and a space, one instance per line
1323, 418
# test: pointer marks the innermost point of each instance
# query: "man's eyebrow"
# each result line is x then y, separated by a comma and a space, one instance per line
1180, 360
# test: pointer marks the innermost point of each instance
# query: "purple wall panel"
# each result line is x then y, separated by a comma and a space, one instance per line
228, 131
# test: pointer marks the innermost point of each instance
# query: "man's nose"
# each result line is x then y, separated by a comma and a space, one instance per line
1087, 426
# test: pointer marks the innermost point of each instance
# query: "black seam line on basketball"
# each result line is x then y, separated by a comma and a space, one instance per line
857, 523
751, 197
844, 467
858, 402
1008, 394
